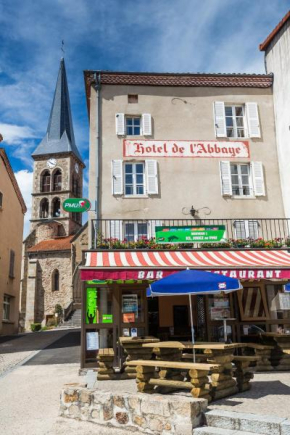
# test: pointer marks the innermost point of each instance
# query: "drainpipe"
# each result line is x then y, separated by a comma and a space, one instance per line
97, 161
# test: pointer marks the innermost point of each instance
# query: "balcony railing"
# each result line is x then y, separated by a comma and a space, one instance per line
245, 233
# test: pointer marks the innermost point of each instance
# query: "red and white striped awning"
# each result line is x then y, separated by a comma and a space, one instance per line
183, 259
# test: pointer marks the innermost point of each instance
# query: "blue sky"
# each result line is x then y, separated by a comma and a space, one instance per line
128, 35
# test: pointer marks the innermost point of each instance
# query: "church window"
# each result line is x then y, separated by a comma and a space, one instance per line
43, 212
57, 180
55, 280
56, 207
45, 182
76, 186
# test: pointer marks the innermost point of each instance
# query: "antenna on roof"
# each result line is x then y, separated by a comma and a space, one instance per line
62, 46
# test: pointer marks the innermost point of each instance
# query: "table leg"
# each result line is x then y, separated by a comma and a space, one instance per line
222, 382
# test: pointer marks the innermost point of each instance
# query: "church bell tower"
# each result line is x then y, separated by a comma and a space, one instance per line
58, 169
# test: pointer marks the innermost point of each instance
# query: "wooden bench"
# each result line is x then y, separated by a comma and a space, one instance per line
196, 372
243, 372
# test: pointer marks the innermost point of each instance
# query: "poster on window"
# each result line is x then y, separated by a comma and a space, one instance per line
92, 340
130, 304
217, 313
284, 301
128, 317
91, 306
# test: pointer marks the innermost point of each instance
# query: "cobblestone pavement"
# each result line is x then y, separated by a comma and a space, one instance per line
15, 349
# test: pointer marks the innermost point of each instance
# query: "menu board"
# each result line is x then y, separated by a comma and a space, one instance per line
92, 340
284, 301
130, 304
217, 313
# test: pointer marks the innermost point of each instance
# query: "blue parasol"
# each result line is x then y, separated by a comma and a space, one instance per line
287, 288
193, 282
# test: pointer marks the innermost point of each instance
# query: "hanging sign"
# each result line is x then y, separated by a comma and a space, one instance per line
91, 306
192, 234
76, 205
186, 148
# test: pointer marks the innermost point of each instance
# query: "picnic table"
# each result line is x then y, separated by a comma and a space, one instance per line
278, 356
133, 349
221, 355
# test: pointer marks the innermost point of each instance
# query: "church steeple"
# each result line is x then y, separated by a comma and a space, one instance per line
59, 137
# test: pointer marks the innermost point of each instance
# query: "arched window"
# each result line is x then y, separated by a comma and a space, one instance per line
55, 280
56, 180
56, 207
76, 186
45, 182
43, 208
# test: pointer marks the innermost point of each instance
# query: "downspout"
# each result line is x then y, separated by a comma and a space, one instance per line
98, 157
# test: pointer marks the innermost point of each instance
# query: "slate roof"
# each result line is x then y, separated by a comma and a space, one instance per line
58, 244
59, 137
274, 32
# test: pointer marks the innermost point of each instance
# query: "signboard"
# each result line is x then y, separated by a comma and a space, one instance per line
107, 318
76, 205
128, 317
186, 148
130, 304
134, 332
92, 340
284, 301
217, 313
190, 234
91, 306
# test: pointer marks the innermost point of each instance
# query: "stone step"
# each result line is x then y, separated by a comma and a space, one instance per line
208, 430
253, 423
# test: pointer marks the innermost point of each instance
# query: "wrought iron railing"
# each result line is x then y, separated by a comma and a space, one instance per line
245, 233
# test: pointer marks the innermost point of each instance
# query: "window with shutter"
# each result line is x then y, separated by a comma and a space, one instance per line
120, 124
258, 178
11, 264
115, 230
225, 174
151, 177
117, 177
253, 120
246, 229
146, 124
134, 179
219, 119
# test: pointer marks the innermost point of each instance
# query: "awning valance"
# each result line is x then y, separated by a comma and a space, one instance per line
183, 259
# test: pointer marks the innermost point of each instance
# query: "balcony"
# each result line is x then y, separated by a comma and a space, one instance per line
240, 233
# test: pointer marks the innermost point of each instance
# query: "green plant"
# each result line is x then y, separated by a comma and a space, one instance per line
35, 327
240, 243
58, 310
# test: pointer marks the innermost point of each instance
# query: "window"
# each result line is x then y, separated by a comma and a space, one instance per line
135, 231
241, 179
11, 264
246, 229
235, 121
1, 200
134, 179
45, 182
43, 208
133, 126
6, 307
133, 99
76, 186
253, 304
56, 207
77, 217
57, 180
55, 280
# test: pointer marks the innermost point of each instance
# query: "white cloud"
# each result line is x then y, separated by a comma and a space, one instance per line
15, 134
24, 179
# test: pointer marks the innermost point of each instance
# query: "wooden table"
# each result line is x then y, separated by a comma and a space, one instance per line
222, 381
134, 350
279, 357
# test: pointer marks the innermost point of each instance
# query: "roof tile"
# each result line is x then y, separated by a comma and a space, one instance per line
58, 244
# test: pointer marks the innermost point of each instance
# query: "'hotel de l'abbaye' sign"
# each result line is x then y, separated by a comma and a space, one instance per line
186, 148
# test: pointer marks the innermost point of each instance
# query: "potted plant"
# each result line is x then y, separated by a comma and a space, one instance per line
240, 243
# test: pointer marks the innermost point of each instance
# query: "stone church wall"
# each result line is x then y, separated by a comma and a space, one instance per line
46, 298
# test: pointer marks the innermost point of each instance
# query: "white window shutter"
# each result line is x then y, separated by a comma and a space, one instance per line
146, 124
258, 178
116, 229
226, 181
151, 228
253, 120
151, 177
120, 124
117, 177
220, 119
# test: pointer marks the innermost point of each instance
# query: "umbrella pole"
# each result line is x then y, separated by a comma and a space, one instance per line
192, 327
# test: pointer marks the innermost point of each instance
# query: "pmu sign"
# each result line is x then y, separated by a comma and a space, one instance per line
76, 205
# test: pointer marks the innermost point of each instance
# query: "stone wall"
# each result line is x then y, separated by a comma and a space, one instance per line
151, 414
46, 299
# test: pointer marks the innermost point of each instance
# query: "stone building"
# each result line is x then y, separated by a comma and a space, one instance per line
12, 210
50, 257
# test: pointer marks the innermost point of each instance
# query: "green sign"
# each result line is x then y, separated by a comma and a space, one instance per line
107, 318
191, 234
76, 205
92, 305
